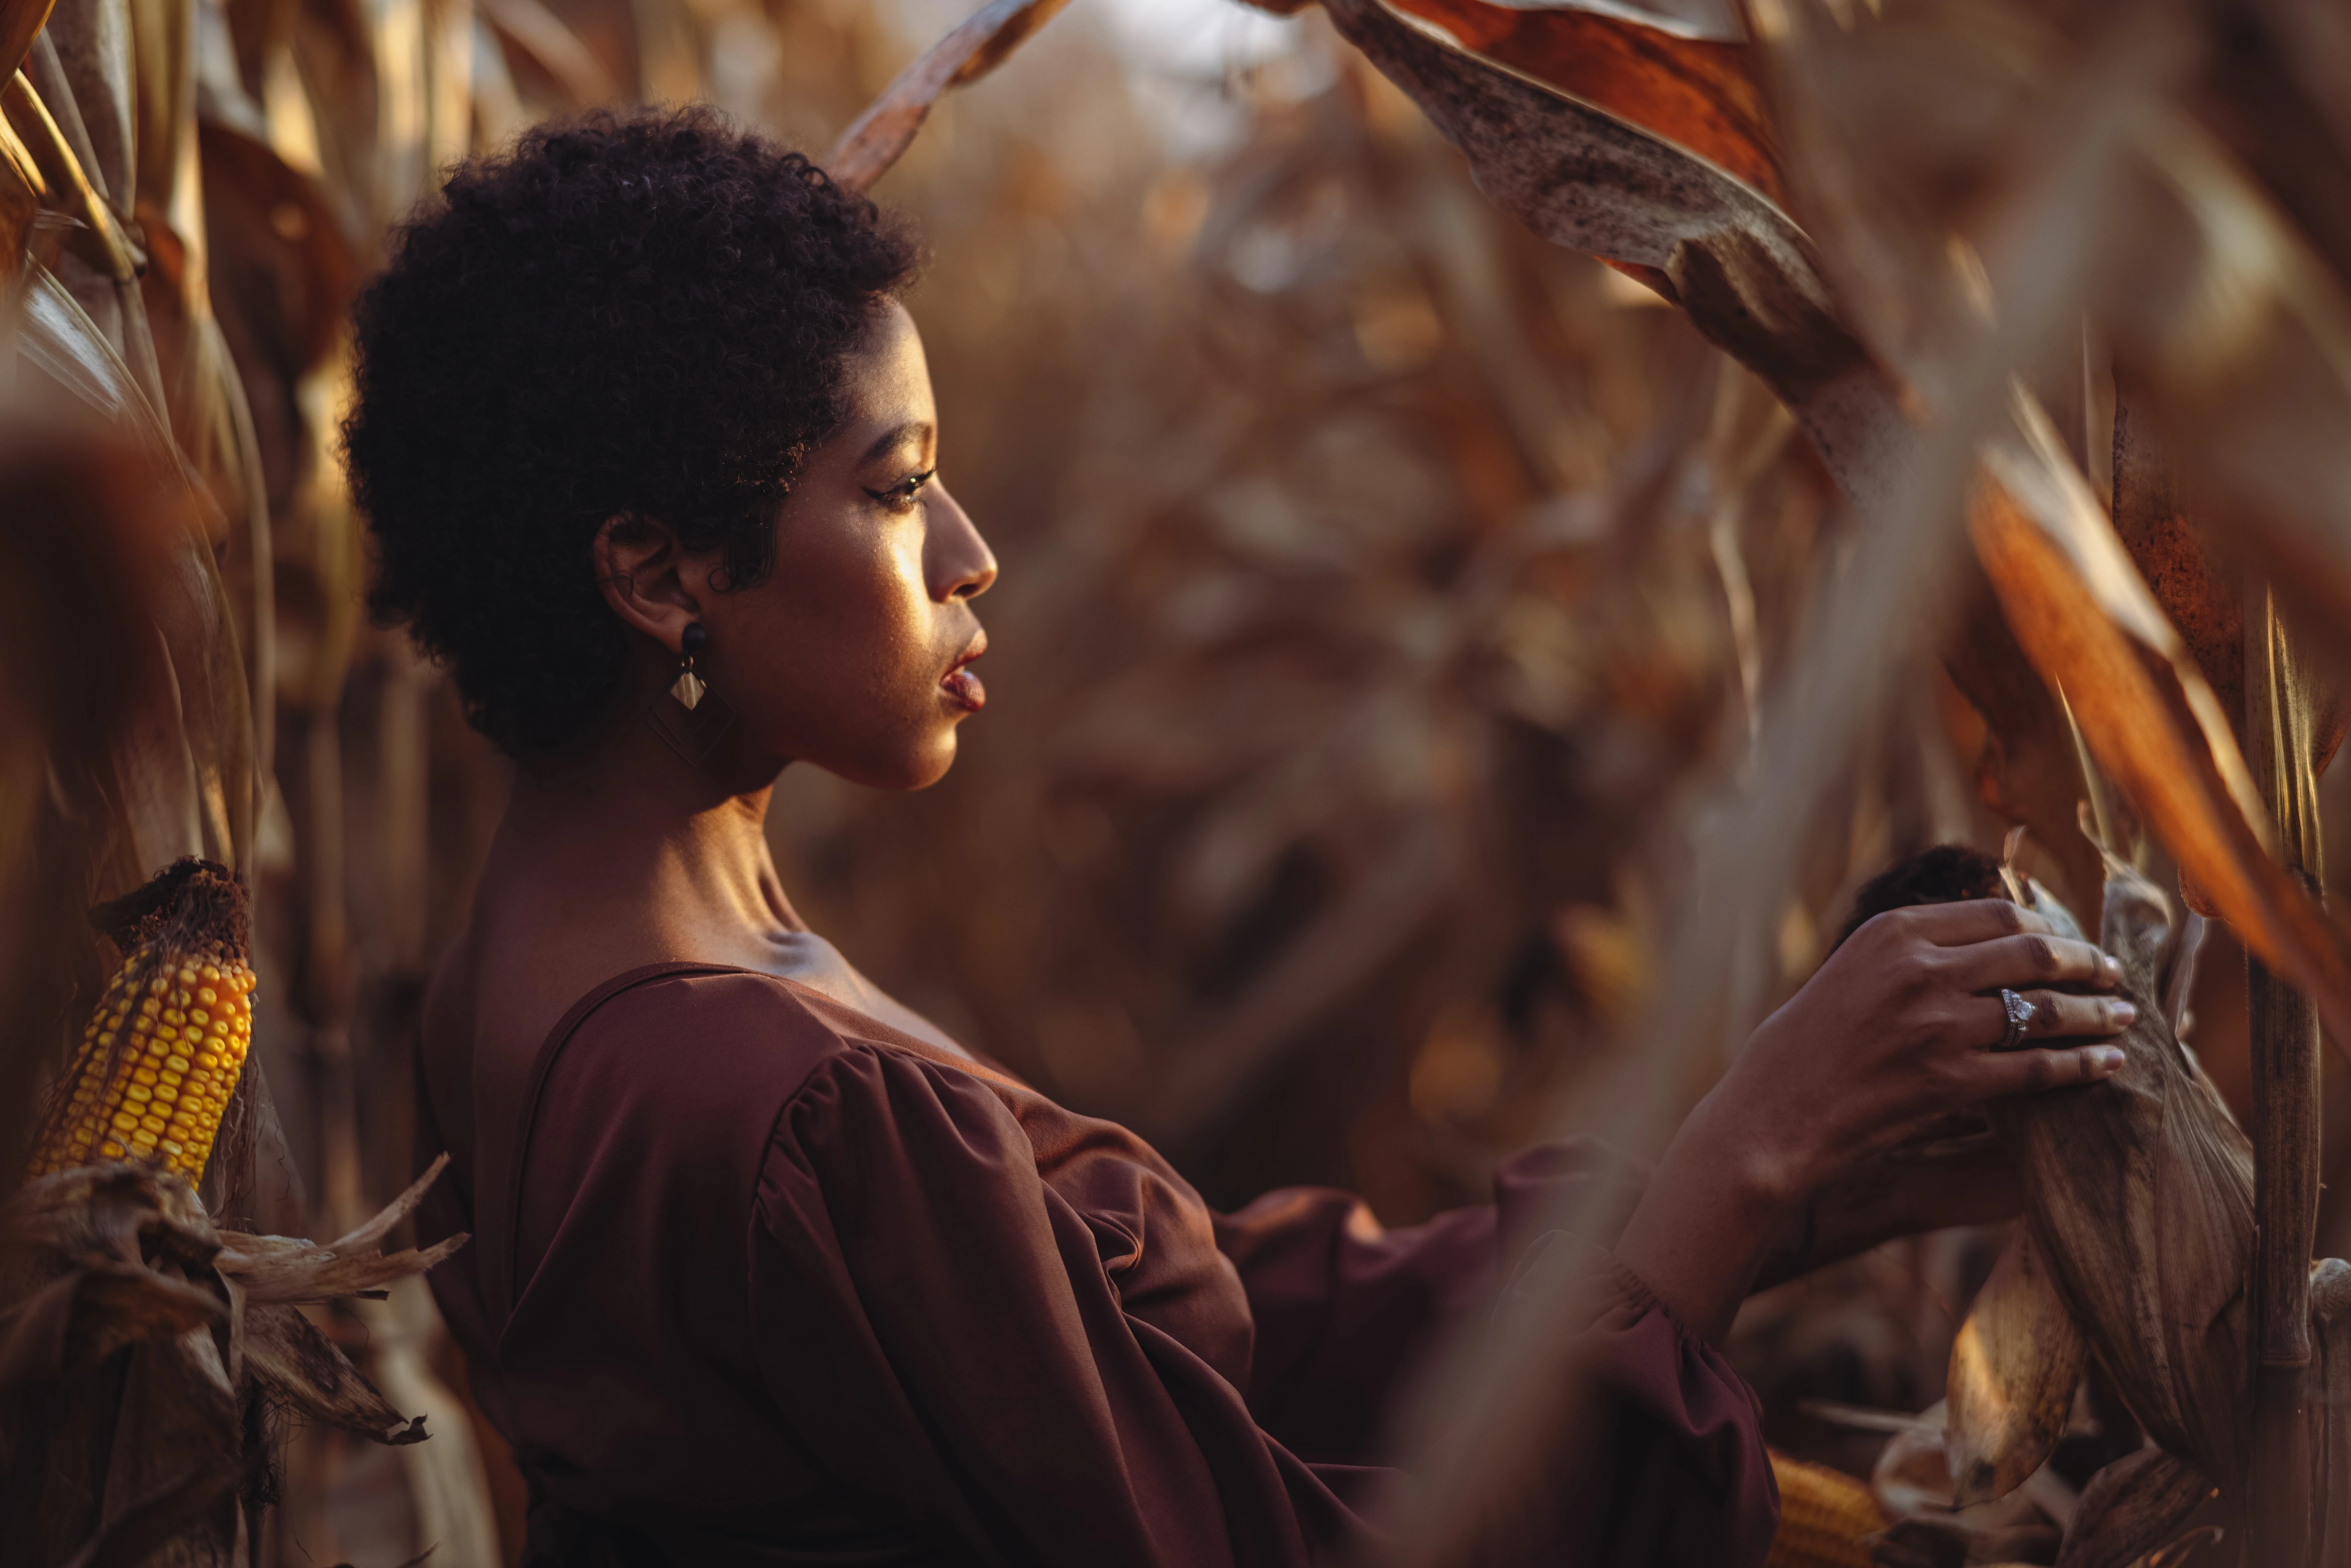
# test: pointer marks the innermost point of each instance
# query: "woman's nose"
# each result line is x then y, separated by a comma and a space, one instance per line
963, 567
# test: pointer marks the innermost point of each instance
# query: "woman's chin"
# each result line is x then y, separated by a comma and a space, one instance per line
916, 767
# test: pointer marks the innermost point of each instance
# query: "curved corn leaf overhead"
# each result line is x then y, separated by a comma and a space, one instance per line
1697, 91
1580, 170
880, 135
2145, 708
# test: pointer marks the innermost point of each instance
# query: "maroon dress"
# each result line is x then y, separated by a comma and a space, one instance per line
759, 1280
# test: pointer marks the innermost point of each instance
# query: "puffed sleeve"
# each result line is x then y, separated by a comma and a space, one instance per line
1349, 1312
937, 1323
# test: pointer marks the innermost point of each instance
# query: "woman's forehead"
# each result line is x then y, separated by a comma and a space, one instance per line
888, 367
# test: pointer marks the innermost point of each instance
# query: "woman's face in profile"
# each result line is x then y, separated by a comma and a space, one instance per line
851, 652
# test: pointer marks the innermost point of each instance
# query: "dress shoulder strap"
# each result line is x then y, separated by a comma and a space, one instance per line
499, 1187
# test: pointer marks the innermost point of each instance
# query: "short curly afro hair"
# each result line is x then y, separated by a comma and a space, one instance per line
635, 315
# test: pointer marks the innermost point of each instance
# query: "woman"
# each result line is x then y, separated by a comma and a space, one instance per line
767, 1269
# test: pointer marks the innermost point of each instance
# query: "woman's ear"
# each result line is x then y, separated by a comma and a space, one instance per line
647, 577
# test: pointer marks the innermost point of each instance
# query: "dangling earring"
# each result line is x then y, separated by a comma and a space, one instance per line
688, 687
689, 715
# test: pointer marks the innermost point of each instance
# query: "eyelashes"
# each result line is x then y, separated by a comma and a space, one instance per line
901, 495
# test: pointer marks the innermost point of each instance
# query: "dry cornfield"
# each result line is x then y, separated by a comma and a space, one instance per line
1449, 686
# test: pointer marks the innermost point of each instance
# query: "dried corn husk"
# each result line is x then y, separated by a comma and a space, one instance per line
2140, 1196
2132, 1507
127, 1310
2015, 1365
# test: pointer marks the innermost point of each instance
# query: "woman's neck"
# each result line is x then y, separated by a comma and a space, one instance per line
636, 836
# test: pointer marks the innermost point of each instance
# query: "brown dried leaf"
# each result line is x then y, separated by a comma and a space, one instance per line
110, 1210
161, 1517
2144, 708
2130, 1508
100, 239
1583, 177
185, 777
119, 1304
1696, 92
92, 39
309, 1274
880, 137
300, 1366
2030, 771
283, 1269
164, 105
539, 34
20, 21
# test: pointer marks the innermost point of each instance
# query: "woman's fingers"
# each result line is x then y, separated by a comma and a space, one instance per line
2033, 958
2054, 1013
1969, 921
2024, 1071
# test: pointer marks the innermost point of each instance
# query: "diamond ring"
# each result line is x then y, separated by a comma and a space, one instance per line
2019, 1017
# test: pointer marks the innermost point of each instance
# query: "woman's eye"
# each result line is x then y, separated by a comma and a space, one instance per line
901, 495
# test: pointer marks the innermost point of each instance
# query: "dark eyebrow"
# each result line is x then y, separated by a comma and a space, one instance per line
889, 441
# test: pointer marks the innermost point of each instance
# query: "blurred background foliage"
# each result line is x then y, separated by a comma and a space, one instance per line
1380, 583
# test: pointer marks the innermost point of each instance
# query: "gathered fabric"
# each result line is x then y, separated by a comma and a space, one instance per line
760, 1280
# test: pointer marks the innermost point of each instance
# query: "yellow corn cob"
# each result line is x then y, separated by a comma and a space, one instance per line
166, 1046
1824, 1515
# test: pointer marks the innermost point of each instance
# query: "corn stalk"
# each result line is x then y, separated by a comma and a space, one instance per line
2287, 708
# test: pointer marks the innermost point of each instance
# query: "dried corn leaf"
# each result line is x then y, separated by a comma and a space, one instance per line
92, 39
20, 21
880, 135
1693, 89
22, 186
2144, 708
2134, 1505
300, 1366
109, 1210
185, 777
1583, 177
99, 238
541, 37
163, 109
163, 1517
118, 1305
2030, 770
283, 1269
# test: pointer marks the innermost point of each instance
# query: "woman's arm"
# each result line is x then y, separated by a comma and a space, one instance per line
1893, 1033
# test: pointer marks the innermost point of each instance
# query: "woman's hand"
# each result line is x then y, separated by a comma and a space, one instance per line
1894, 1032
1896, 1029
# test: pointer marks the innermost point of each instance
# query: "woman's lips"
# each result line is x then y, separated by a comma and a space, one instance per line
964, 690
